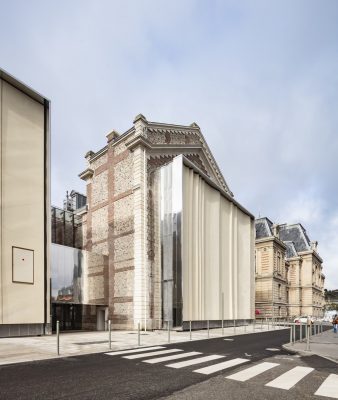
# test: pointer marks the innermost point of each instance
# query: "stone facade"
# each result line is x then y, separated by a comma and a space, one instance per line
271, 277
122, 216
289, 278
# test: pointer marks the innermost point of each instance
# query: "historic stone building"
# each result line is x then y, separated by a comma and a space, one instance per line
180, 247
289, 278
271, 271
305, 272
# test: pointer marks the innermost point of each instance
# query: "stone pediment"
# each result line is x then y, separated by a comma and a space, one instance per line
179, 139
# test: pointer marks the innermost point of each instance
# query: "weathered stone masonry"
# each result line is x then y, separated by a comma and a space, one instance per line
122, 220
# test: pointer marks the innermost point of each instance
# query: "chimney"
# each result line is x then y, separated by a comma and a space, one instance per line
275, 230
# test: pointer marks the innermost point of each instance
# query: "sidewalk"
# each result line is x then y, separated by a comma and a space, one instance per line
23, 349
324, 344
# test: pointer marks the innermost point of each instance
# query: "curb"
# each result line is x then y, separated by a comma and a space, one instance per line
307, 353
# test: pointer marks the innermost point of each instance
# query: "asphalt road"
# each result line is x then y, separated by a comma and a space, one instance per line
100, 376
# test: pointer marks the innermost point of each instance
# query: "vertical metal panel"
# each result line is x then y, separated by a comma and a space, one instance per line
1, 290
171, 210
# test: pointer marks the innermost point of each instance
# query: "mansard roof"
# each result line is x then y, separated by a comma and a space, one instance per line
290, 250
263, 228
297, 234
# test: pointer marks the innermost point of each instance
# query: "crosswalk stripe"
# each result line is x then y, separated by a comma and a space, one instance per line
251, 372
153, 353
173, 357
220, 366
138, 350
195, 361
329, 388
290, 378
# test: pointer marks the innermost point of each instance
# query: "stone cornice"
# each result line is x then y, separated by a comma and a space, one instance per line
295, 258
271, 239
86, 174
311, 252
138, 141
99, 154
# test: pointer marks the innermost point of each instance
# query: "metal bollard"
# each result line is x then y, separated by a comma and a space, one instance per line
208, 328
261, 324
138, 334
308, 338
58, 337
290, 334
294, 333
300, 332
245, 326
253, 324
222, 314
109, 329
168, 331
190, 330
234, 327
268, 324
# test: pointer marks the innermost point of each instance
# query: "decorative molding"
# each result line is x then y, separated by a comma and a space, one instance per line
86, 174
138, 141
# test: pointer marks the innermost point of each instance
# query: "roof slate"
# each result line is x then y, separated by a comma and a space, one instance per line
296, 234
290, 250
263, 228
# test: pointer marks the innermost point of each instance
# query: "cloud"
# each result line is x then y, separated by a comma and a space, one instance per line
260, 78
328, 248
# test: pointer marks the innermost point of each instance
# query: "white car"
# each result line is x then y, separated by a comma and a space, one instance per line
303, 319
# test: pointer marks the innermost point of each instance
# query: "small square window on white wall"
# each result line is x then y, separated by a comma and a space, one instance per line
23, 265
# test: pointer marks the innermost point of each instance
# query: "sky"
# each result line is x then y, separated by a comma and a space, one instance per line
259, 77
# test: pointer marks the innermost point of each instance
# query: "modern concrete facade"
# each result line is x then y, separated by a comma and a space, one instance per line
24, 209
179, 245
289, 277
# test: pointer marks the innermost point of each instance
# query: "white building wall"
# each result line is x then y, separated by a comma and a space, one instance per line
217, 253
23, 225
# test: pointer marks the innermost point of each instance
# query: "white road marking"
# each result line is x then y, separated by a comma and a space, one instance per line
138, 350
249, 373
173, 357
290, 378
272, 349
229, 340
329, 388
219, 367
195, 361
153, 353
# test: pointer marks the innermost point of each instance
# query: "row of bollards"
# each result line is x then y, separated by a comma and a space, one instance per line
316, 329
310, 330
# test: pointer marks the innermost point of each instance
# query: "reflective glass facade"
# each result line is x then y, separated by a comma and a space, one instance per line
78, 287
66, 228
